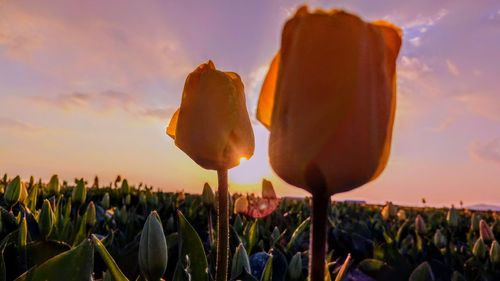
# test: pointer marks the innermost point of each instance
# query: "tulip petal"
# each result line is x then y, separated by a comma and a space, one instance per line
172, 126
267, 93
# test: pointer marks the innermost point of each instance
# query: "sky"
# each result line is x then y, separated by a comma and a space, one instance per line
88, 87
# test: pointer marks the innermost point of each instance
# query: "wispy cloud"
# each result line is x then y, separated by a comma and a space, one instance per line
483, 104
488, 150
452, 68
102, 101
9, 123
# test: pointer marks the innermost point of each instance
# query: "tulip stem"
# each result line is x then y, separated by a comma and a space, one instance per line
320, 204
223, 228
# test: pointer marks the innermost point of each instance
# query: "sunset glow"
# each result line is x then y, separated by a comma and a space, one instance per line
88, 89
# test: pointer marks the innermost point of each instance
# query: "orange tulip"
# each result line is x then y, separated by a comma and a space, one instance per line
212, 124
329, 100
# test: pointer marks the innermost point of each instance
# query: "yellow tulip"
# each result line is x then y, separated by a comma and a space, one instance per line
329, 100
212, 124
241, 205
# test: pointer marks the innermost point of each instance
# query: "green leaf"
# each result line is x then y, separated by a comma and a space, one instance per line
40, 251
192, 255
113, 268
298, 232
253, 235
240, 263
376, 269
423, 272
76, 264
267, 274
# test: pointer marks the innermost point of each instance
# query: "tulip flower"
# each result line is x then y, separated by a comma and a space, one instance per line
213, 128
46, 219
329, 103
389, 211
452, 218
208, 196
485, 232
105, 201
260, 207
53, 185
13, 191
495, 253
153, 254
401, 215
420, 227
241, 205
79, 193
480, 250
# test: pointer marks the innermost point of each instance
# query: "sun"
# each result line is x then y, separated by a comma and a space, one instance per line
243, 159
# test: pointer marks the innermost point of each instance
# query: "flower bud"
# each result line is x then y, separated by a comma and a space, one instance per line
440, 240
153, 249
105, 201
181, 197
389, 211
46, 219
480, 250
128, 199
420, 226
495, 253
79, 193
295, 268
241, 205
485, 232
23, 233
125, 187
452, 217
90, 214
13, 192
240, 263
267, 189
474, 222
142, 198
53, 186
401, 215
24, 193
208, 196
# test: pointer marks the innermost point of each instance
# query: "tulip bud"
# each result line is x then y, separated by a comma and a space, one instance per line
105, 201
79, 194
401, 215
208, 196
24, 193
212, 125
122, 215
420, 226
389, 211
295, 268
153, 249
90, 214
13, 191
142, 199
480, 249
452, 217
2, 188
240, 263
440, 240
474, 222
23, 233
267, 189
53, 185
485, 232
46, 219
241, 205
332, 81
128, 199
495, 253
181, 197
125, 187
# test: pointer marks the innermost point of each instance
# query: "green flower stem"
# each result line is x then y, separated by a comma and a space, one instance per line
223, 228
320, 204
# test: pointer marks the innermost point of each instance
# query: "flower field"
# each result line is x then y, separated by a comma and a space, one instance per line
53, 231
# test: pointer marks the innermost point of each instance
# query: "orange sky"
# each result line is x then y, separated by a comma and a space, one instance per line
88, 89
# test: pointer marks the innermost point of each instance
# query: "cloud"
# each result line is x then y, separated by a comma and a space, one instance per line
102, 101
486, 105
412, 68
452, 68
161, 113
9, 123
487, 151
